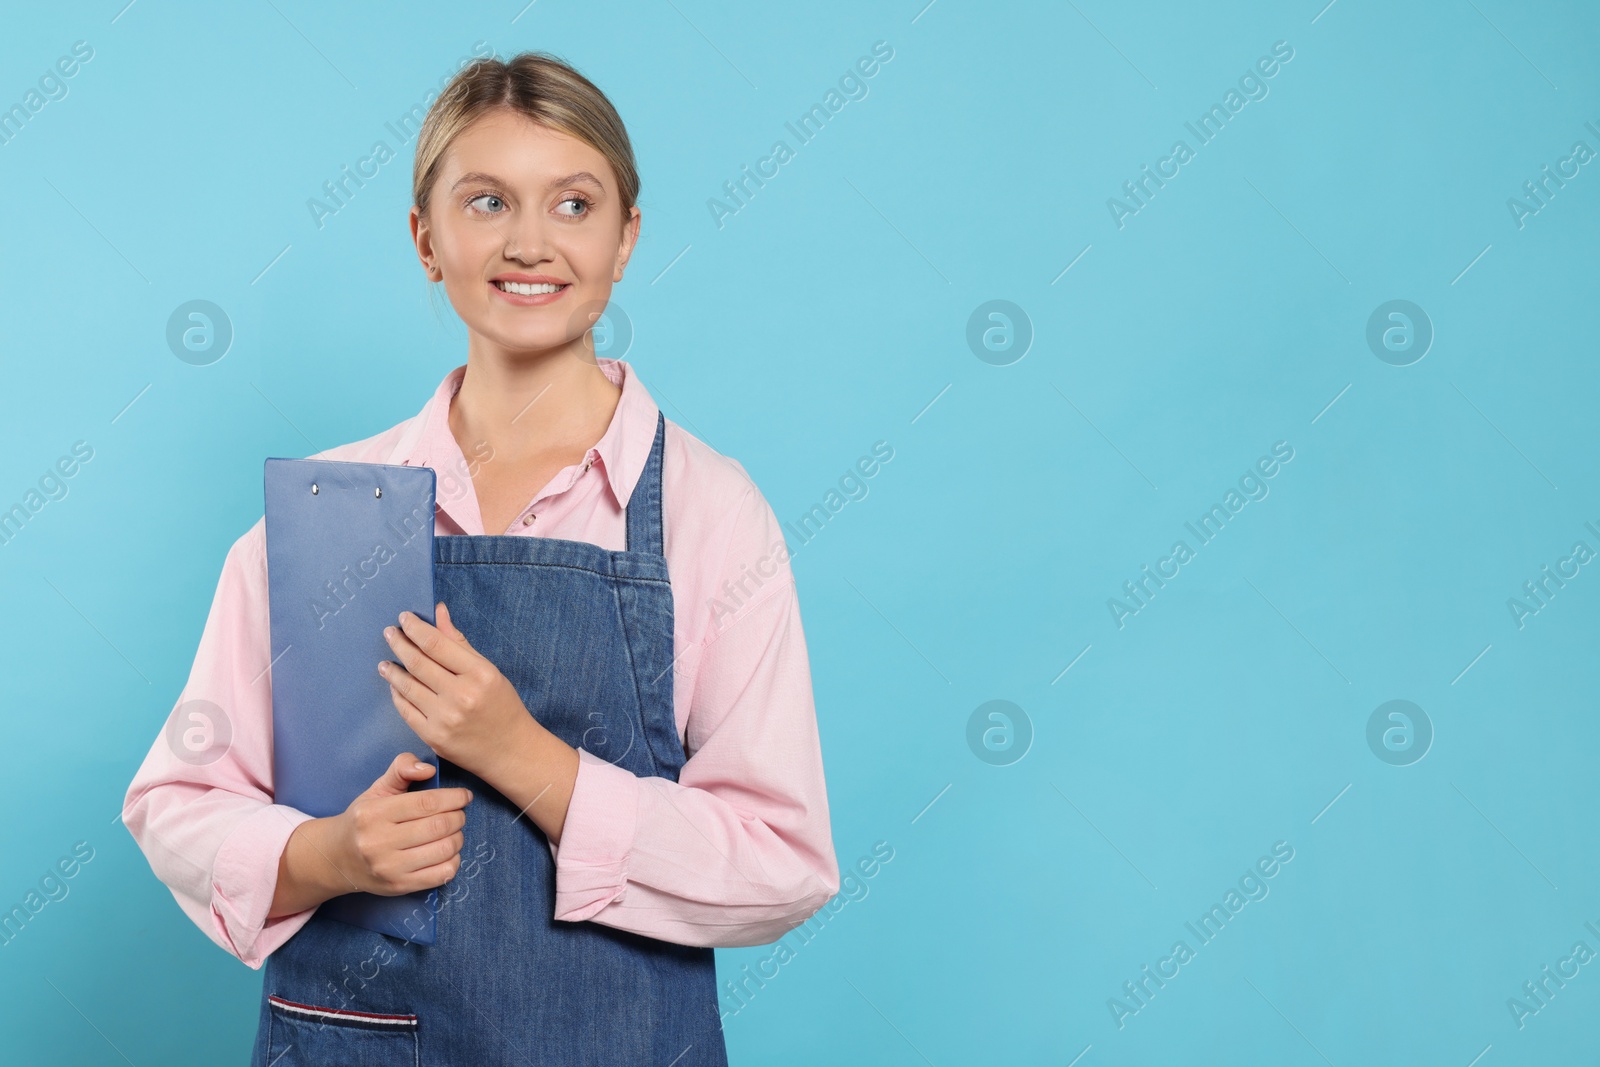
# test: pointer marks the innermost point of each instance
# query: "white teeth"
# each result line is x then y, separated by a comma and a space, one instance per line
526, 289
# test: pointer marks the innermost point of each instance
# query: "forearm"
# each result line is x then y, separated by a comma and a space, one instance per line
536, 770
308, 872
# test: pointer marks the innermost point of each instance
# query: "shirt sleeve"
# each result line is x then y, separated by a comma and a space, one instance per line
201, 804
739, 850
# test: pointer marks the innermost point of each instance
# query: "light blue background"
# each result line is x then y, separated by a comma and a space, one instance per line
829, 313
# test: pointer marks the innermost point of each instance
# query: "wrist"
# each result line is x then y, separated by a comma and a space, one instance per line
309, 869
515, 754
329, 858
536, 770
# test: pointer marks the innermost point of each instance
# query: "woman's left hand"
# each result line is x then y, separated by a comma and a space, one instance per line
451, 695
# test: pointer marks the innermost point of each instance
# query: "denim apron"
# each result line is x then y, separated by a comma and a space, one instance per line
585, 635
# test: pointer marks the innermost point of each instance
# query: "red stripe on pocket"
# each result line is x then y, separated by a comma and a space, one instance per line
316, 1011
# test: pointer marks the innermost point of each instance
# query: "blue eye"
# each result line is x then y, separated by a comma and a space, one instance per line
488, 196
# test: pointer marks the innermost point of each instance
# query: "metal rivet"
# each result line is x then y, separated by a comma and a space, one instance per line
313, 488
378, 491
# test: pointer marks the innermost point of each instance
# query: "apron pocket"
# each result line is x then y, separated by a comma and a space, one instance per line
302, 1035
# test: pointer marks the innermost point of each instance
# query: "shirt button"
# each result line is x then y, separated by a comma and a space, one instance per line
529, 517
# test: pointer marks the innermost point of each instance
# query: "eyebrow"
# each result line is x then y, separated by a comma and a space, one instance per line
566, 179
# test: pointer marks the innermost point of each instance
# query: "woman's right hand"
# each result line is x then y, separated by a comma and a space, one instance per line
392, 841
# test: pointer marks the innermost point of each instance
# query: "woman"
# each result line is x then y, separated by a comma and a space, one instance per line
617, 686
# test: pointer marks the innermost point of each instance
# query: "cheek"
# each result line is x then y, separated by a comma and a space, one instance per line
593, 261
464, 250
595, 253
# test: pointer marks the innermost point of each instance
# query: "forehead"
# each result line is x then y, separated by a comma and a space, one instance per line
520, 151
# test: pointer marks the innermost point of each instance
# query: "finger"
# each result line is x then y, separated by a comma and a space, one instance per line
423, 667
436, 827
399, 776
455, 655
423, 803
414, 716
447, 625
431, 853
438, 874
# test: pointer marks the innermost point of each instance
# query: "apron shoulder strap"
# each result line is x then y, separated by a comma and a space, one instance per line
644, 506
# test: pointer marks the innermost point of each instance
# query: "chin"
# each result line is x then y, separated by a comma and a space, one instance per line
531, 343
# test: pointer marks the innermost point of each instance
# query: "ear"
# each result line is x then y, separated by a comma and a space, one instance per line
630, 236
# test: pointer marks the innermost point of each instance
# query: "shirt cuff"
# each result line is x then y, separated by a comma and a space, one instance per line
244, 879
596, 839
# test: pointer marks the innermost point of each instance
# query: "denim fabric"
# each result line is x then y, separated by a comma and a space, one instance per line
585, 634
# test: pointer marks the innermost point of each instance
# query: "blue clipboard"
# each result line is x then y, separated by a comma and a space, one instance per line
349, 546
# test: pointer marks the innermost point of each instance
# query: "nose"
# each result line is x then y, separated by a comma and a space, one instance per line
525, 239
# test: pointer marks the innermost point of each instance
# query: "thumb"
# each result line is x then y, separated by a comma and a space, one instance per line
404, 770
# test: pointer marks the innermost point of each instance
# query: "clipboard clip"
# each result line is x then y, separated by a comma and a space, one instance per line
377, 491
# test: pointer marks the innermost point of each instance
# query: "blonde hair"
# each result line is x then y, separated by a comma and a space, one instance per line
536, 85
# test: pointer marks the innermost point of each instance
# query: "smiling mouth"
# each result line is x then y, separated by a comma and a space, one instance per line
528, 288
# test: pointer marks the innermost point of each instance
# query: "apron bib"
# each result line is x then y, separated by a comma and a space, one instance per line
586, 636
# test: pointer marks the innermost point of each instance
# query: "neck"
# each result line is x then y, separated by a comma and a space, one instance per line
553, 401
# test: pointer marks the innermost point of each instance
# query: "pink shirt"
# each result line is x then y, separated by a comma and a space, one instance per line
736, 852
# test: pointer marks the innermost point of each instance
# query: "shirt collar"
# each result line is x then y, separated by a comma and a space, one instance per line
622, 451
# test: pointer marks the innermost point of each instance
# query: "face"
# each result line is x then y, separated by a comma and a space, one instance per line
519, 206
